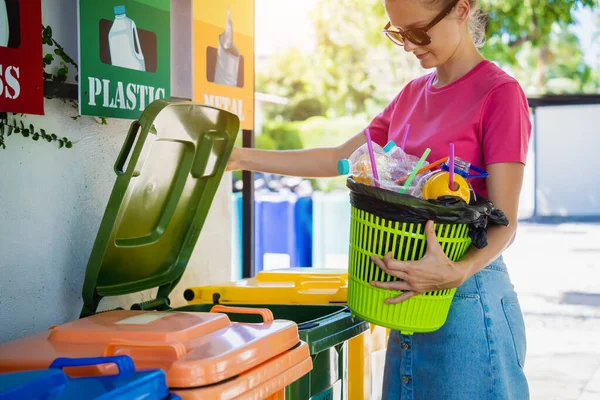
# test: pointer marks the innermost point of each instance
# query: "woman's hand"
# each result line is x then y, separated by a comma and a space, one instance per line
435, 271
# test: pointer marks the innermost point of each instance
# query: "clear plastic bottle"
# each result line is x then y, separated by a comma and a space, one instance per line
405, 162
359, 165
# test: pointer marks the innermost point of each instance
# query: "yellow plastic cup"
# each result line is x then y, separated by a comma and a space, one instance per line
439, 185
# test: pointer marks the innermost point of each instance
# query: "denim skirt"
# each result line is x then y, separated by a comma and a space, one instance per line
478, 354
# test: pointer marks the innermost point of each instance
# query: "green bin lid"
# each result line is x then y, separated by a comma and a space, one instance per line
176, 154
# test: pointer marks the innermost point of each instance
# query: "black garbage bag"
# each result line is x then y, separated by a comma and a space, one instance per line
445, 210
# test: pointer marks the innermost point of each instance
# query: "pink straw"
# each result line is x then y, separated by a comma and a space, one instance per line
451, 161
372, 156
405, 136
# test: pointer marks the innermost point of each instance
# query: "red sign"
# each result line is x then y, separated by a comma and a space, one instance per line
21, 71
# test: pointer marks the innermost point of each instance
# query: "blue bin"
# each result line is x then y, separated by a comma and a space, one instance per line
236, 236
274, 233
282, 233
303, 215
54, 384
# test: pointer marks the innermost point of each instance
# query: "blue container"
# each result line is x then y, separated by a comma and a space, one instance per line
236, 236
274, 232
303, 219
53, 383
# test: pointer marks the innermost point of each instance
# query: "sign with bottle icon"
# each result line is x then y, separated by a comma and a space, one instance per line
224, 56
21, 73
124, 56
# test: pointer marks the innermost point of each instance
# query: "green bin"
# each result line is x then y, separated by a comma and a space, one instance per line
168, 172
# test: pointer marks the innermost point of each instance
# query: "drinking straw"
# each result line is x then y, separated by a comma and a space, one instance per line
414, 171
406, 129
451, 183
372, 157
430, 166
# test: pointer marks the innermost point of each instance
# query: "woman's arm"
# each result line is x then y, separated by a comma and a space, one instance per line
309, 163
435, 271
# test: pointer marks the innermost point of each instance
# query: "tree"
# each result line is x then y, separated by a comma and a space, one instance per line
534, 35
356, 70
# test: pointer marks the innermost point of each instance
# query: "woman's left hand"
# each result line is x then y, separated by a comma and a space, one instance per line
435, 271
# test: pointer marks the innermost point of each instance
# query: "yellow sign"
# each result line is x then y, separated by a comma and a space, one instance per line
224, 56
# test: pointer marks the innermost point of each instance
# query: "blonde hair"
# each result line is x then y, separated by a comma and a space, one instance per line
477, 20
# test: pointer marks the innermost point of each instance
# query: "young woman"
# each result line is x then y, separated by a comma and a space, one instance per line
479, 353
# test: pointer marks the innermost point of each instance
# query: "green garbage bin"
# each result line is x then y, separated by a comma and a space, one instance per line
326, 329
168, 172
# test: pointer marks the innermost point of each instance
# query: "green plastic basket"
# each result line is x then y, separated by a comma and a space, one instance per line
371, 235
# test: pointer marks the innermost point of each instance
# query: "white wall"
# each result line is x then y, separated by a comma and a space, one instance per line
52, 201
568, 166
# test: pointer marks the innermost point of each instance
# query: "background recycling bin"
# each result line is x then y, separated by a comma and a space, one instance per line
309, 286
282, 231
331, 230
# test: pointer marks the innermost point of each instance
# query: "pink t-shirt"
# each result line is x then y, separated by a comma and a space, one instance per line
485, 113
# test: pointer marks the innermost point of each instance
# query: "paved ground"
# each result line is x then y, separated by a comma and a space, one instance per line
556, 272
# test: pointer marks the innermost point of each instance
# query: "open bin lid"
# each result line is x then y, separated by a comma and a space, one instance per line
168, 172
54, 384
281, 286
195, 349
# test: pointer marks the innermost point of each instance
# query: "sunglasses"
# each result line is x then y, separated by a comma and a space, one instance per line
418, 36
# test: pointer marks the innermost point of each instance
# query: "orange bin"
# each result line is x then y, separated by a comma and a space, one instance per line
308, 286
204, 355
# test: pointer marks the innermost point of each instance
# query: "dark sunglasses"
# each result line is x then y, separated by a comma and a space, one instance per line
418, 36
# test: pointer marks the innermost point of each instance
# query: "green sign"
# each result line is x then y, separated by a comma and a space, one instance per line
124, 56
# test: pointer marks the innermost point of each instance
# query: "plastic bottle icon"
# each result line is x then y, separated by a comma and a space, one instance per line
228, 57
124, 42
4, 29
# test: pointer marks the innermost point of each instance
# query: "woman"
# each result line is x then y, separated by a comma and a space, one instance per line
479, 353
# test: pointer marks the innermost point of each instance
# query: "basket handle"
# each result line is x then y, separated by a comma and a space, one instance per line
265, 313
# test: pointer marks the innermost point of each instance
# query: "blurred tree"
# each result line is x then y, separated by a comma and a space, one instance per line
284, 135
533, 35
356, 70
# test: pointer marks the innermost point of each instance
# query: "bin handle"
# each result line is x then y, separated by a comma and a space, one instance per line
176, 350
322, 283
124, 363
127, 147
266, 314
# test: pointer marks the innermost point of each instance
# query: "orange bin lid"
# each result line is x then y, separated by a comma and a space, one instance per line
194, 349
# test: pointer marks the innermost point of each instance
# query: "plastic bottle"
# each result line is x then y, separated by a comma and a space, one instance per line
405, 162
4, 29
359, 165
124, 42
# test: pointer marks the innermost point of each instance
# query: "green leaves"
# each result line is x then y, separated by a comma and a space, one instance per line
7, 129
533, 39
63, 72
